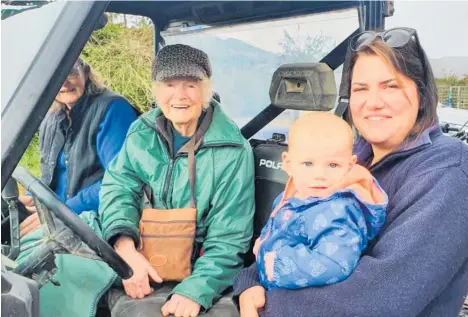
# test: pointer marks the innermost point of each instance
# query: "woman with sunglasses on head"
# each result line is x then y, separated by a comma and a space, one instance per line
83, 131
418, 264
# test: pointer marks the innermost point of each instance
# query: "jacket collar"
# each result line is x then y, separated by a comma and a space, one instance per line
363, 148
76, 113
221, 130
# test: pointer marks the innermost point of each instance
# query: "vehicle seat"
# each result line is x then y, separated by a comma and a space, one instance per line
270, 180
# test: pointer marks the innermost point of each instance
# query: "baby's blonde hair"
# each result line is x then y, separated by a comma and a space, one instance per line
314, 126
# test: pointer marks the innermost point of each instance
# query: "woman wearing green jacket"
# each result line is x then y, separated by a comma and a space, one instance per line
155, 154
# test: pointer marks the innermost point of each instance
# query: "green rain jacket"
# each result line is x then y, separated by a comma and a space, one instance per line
224, 194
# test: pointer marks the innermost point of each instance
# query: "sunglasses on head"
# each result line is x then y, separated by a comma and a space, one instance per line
396, 37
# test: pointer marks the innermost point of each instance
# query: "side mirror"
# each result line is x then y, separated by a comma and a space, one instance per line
306, 87
101, 22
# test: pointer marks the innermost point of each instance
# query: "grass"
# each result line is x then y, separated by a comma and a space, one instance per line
31, 158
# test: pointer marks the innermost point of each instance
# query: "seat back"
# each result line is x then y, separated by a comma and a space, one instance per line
270, 180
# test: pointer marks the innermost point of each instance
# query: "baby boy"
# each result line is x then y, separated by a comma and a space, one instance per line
330, 209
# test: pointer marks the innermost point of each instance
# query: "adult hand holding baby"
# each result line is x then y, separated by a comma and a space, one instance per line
251, 301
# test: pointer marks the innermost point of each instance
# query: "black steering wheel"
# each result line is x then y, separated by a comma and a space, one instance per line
64, 231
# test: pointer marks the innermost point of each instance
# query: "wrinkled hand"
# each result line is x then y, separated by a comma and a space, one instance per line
251, 300
269, 264
28, 202
138, 285
30, 224
180, 306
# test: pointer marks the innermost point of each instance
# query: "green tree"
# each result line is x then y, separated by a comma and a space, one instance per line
451, 80
123, 57
308, 49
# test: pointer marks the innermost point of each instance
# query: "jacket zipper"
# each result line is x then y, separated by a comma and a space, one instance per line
166, 182
67, 163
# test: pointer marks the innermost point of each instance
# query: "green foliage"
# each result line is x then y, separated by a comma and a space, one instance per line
123, 57
305, 49
451, 80
31, 158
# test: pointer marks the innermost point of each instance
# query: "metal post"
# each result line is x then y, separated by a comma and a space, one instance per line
375, 14
458, 97
450, 97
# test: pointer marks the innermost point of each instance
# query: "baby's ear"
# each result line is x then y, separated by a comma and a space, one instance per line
353, 161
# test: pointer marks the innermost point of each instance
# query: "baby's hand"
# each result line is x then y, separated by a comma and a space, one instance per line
269, 264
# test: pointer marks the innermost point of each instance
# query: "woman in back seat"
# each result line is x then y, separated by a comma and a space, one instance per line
198, 172
82, 132
418, 264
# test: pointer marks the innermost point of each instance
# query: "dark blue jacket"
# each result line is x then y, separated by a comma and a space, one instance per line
418, 265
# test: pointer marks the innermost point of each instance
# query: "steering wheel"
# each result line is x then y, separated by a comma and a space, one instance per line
64, 231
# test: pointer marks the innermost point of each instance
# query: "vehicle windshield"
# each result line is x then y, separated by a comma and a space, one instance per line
245, 57
30, 25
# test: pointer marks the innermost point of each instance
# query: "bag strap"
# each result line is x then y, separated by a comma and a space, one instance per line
192, 144
148, 195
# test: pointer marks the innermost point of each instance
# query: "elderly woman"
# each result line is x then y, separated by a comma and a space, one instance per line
80, 135
418, 265
187, 152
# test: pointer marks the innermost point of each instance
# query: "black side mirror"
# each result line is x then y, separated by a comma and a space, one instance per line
101, 22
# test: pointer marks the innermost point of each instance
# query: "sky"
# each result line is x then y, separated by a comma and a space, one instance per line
441, 25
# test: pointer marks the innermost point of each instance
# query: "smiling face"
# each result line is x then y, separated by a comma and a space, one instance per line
319, 154
181, 101
384, 103
73, 87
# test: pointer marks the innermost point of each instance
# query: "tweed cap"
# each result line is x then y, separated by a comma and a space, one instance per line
180, 60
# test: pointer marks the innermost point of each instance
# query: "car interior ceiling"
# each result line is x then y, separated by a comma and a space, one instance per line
217, 13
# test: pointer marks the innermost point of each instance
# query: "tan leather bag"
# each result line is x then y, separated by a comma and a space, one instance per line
167, 236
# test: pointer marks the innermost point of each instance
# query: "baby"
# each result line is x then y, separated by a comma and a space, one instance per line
330, 209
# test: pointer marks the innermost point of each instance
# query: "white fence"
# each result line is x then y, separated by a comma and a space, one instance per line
454, 96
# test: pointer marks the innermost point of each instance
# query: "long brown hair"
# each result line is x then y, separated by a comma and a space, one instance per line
94, 84
407, 61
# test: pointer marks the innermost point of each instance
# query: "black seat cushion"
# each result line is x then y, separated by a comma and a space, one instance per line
270, 180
